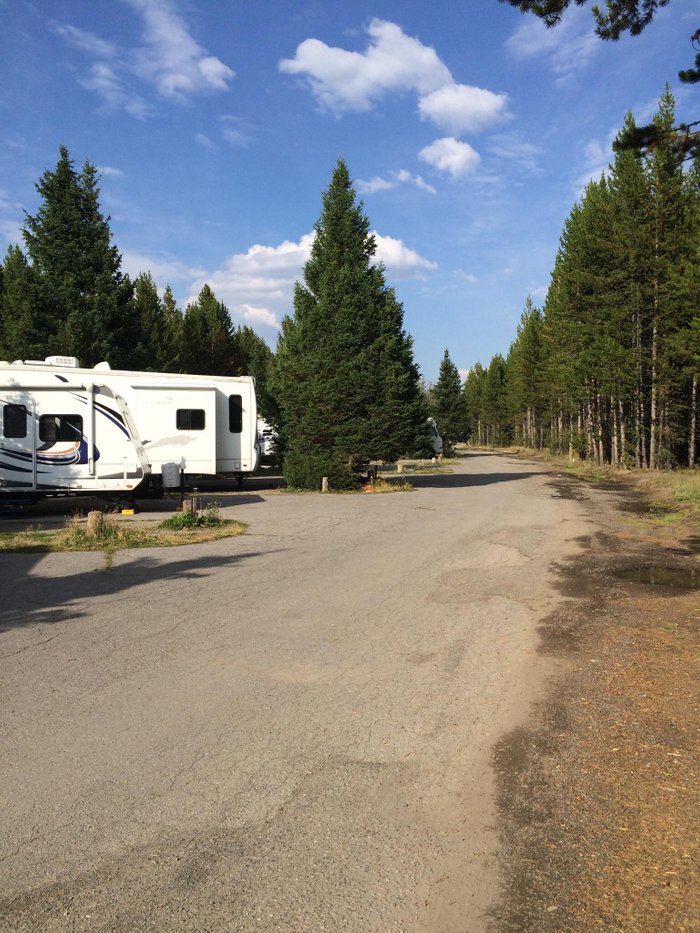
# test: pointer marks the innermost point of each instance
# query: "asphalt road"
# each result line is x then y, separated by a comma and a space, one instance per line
287, 731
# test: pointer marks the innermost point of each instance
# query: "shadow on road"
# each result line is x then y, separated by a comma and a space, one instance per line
454, 480
34, 600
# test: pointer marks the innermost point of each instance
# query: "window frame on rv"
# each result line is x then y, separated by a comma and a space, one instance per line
63, 428
14, 420
190, 419
235, 413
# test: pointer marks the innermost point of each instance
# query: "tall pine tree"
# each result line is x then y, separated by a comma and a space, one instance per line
84, 301
448, 405
207, 345
344, 378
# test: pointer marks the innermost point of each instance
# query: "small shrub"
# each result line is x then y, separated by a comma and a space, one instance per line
209, 518
306, 470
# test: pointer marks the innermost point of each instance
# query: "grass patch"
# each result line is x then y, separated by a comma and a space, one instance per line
114, 535
382, 485
209, 518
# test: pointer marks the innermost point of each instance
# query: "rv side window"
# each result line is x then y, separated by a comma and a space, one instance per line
190, 419
235, 414
14, 421
54, 428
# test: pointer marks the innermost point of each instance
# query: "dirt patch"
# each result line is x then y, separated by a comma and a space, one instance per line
599, 796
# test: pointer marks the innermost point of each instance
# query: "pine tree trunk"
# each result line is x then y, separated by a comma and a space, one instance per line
571, 437
600, 451
590, 443
653, 414
614, 449
623, 434
560, 429
692, 432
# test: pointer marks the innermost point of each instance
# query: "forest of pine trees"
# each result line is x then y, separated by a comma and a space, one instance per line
608, 369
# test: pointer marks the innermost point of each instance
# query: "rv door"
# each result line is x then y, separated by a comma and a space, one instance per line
17, 444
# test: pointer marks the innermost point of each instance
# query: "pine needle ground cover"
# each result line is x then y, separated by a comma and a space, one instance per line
599, 793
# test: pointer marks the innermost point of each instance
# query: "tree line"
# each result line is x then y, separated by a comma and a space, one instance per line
342, 388
66, 294
608, 368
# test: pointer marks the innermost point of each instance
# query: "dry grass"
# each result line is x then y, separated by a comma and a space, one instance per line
382, 485
115, 536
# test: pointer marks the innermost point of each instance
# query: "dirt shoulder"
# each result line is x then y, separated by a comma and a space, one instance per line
599, 795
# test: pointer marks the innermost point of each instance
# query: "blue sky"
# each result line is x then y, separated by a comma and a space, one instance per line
469, 129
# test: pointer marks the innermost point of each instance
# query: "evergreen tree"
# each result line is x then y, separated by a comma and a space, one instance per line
170, 346
253, 357
83, 299
344, 375
473, 402
21, 334
149, 315
525, 378
207, 344
448, 406
612, 363
494, 409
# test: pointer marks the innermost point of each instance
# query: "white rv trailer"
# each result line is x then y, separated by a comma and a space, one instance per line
68, 435
195, 425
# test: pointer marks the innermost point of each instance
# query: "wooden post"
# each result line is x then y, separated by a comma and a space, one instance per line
188, 506
95, 524
324, 484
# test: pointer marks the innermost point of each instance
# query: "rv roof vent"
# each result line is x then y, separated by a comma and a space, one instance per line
102, 367
70, 361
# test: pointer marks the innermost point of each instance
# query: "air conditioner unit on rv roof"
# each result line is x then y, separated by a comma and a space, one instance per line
71, 361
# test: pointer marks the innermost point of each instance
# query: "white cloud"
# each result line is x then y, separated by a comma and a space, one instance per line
449, 155
107, 171
467, 277
353, 81
104, 79
597, 157
232, 132
459, 108
259, 316
567, 47
374, 184
514, 149
169, 59
258, 286
400, 261
393, 62
88, 42
463, 373
400, 177
204, 141
165, 270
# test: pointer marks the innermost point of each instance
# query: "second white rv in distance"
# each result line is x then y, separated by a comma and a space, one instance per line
199, 426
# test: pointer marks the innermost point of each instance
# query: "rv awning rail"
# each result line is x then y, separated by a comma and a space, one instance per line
175, 386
